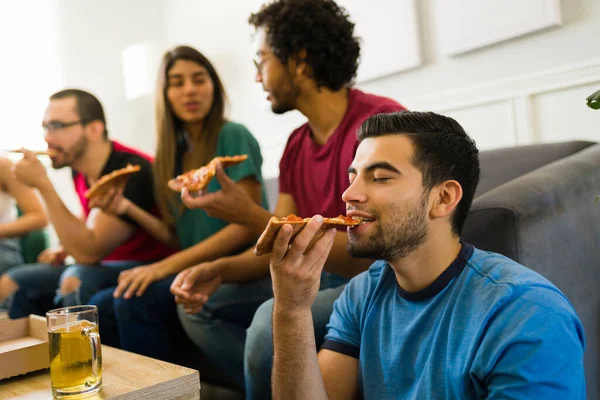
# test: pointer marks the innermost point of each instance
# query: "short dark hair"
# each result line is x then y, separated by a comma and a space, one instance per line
443, 151
88, 106
320, 27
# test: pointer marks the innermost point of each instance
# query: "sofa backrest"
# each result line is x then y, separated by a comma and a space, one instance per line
546, 220
503, 165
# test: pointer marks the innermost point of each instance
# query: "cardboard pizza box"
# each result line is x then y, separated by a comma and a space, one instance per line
23, 346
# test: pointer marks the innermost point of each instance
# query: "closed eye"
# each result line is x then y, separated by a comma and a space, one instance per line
381, 179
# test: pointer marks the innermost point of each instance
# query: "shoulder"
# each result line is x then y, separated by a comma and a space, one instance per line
515, 283
5, 164
121, 158
233, 130
295, 138
371, 104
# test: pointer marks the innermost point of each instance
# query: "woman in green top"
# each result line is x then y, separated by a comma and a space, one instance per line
192, 130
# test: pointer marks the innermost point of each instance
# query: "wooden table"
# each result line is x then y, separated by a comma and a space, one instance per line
125, 376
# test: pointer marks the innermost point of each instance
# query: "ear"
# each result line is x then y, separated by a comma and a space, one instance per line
96, 129
447, 195
298, 65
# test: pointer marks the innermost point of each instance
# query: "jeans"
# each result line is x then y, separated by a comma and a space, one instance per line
258, 351
10, 254
38, 284
219, 330
146, 325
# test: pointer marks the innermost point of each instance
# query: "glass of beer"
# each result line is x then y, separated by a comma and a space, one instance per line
75, 353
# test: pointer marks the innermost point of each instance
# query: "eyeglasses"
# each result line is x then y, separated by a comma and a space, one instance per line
258, 63
55, 126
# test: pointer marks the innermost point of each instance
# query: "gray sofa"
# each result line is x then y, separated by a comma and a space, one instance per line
535, 204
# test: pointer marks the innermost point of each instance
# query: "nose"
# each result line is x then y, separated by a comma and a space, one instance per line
258, 77
189, 86
355, 194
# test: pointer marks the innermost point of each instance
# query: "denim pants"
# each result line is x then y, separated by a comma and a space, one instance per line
258, 351
146, 325
219, 330
234, 330
38, 284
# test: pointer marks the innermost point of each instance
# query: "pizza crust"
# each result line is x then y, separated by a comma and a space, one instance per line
198, 179
47, 152
114, 179
264, 245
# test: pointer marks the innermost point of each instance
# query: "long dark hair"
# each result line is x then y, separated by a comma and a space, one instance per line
168, 125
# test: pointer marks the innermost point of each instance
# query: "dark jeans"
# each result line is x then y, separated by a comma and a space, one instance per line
146, 325
38, 285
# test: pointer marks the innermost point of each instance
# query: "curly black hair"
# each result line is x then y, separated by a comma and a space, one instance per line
320, 27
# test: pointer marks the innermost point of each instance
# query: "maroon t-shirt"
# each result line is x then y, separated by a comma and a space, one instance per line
141, 246
316, 175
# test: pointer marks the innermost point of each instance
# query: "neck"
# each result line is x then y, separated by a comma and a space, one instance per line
93, 160
194, 129
325, 110
421, 268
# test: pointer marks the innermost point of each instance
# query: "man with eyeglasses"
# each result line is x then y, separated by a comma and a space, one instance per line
75, 129
307, 61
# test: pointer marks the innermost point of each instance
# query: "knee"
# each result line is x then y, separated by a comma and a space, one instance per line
259, 339
69, 284
7, 287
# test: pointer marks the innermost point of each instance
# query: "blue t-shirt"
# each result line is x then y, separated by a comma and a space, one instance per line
486, 328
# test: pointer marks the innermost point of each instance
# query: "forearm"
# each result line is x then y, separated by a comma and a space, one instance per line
244, 267
151, 224
339, 261
75, 237
23, 225
228, 240
256, 218
296, 372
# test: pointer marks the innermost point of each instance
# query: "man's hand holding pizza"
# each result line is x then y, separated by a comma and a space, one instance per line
296, 272
30, 171
229, 204
112, 201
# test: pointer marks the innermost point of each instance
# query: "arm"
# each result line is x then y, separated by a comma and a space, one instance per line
224, 242
114, 203
87, 243
296, 278
225, 203
34, 216
231, 238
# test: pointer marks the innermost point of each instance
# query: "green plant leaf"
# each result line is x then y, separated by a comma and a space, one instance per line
597, 198
593, 101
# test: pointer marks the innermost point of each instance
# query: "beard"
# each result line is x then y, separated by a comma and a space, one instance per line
394, 240
69, 157
284, 96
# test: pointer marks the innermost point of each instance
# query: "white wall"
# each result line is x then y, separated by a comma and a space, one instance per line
524, 90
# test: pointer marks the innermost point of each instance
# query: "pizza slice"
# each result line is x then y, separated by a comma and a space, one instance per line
198, 179
266, 240
47, 152
111, 180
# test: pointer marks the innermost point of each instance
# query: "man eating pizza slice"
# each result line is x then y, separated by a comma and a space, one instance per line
101, 244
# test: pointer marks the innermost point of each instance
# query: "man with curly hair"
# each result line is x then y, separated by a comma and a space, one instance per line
307, 61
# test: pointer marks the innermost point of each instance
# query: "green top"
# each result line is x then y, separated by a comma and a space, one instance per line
193, 226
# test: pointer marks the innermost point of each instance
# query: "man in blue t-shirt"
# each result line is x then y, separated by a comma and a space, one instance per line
435, 318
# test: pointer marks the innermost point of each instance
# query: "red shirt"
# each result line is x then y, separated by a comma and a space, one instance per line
141, 246
316, 175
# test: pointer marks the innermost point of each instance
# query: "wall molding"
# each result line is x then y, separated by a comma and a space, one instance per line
496, 91
519, 92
